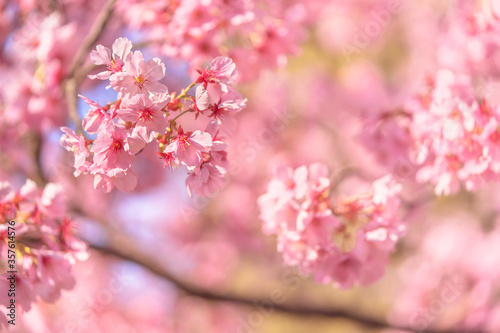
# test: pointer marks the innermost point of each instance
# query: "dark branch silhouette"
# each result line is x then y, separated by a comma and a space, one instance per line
120, 246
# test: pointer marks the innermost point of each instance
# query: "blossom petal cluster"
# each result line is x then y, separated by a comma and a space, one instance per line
447, 136
35, 65
145, 113
345, 243
456, 134
46, 248
471, 43
255, 33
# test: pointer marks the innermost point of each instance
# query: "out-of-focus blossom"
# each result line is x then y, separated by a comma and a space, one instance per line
345, 244
447, 134
46, 249
451, 280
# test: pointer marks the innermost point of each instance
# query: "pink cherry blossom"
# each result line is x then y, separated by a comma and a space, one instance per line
201, 102
78, 145
221, 73
121, 50
52, 201
124, 180
415, 81
219, 139
140, 77
453, 253
205, 180
189, 147
44, 262
210, 175
228, 104
95, 117
55, 273
112, 149
445, 136
141, 115
26, 294
453, 146
146, 114
169, 160
344, 245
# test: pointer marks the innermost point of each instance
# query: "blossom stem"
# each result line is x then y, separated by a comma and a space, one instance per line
173, 120
184, 91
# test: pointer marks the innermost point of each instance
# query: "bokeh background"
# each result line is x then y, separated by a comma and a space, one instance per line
319, 77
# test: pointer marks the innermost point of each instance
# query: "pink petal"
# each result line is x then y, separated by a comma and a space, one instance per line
122, 48
102, 56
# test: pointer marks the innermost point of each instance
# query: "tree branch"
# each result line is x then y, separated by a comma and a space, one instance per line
70, 90
92, 37
35, 142
120, 246
75, 72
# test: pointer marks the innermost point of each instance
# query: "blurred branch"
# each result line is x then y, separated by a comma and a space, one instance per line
347, 172
70, 90
94, 34
121, 246
77, 71
85, 70
35, 146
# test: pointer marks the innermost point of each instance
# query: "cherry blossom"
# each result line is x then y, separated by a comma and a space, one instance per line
146, 114
462, 276
205, 180
219, 98
45, 240
189, 148
114, 64
447, 133
140, 77
221, 73
94, 117
345, 244
78, 145
112, 149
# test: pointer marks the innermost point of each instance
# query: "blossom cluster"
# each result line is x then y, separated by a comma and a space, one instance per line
145, 112
448, 134
457, 136
345, 243
46, 248
34, 100
256, 34
471, 43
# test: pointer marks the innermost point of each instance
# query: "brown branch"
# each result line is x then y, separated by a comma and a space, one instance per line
76, 71
35, 145
94, 34
70, 90
121, 246
84, 71
346, 172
